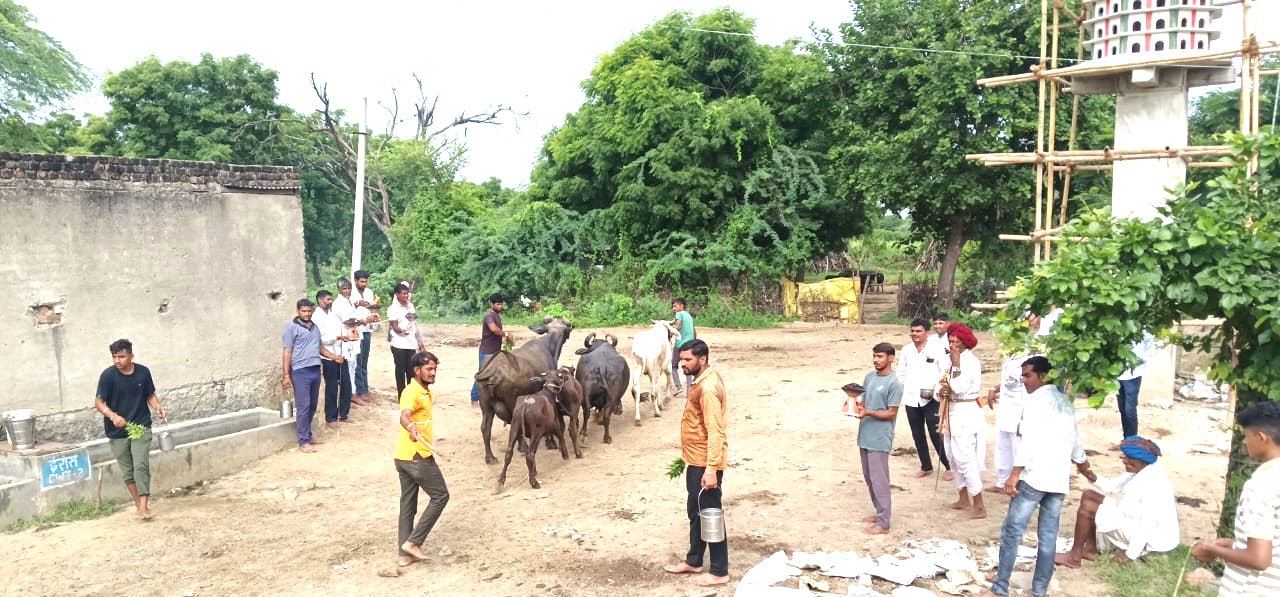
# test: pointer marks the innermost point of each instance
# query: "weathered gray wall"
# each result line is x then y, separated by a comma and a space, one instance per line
198, 264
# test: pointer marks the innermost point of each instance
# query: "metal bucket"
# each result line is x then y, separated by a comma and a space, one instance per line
286, 409
710, 521
166, 441
20, 428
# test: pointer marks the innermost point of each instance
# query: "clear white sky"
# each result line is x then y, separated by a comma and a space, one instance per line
476, 54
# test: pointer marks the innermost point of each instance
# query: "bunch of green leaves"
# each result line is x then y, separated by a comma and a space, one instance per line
135, 430
676, 468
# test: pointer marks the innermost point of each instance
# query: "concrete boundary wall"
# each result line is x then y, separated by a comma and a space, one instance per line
199, 264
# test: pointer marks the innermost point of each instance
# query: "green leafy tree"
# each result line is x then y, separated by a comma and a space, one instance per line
1218, 112
904, 119
218, 109
674, 156
35, 70
1215, 254
59, 133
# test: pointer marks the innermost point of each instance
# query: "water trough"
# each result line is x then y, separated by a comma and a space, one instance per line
204, 449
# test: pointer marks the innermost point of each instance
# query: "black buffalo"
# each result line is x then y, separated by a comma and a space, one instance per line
604, 375
509, 373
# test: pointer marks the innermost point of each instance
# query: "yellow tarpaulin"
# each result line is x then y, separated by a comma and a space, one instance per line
836, 298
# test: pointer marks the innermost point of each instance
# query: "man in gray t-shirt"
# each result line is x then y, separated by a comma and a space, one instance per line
879, 412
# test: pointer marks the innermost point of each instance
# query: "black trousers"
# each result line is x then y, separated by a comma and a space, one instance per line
710, 499
419, 474
924, 420
404, 372
337, 390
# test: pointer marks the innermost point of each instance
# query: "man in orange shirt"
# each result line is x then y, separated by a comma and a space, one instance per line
415, 460
704, 447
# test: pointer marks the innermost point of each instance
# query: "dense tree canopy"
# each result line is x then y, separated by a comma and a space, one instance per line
905, 118
689, 152
214, 110
35, 70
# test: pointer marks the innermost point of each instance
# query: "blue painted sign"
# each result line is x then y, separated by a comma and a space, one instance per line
64, 468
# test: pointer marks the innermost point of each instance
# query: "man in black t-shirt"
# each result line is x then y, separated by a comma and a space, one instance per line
491, 338
126, 396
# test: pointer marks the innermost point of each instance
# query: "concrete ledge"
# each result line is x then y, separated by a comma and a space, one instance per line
205, 449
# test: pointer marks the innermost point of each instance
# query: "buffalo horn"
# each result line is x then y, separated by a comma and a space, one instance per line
612, 339
587, 343
546, 320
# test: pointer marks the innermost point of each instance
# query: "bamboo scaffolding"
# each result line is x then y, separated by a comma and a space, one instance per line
1092, 69
1107, 167
1051, 164
1076, 157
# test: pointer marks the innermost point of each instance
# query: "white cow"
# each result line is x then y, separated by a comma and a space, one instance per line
651, 352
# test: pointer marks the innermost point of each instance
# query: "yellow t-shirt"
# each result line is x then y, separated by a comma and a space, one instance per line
417, 400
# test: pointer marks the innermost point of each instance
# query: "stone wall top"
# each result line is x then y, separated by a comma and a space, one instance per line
38, 166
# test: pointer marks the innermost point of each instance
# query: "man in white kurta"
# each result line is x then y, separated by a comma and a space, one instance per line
1008, 418
1134, 514
344, 306
965, 426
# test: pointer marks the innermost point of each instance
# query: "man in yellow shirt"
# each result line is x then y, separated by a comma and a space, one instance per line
416, 462
704, 447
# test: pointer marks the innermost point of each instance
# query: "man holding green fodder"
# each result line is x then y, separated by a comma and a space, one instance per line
126, 397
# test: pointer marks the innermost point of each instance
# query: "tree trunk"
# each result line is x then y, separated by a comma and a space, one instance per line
950, 261
1239, 466
315, 271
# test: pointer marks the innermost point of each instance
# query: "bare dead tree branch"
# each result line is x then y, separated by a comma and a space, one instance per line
493, 116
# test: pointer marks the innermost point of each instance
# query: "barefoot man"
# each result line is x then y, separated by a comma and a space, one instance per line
1135, 514
703, 447
965, 426
416, 461
1040, 478
883, 394
126, 394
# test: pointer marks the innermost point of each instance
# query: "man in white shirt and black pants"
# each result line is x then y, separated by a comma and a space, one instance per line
1041, 477
920, 367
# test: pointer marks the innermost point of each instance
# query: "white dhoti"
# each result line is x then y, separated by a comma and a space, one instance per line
967, 454
1006, 451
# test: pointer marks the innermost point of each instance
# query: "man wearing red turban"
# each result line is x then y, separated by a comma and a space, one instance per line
965, 426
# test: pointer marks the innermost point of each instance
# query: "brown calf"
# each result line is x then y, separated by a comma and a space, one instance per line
534, 417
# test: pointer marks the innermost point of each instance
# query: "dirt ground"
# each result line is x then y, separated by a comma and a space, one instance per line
603, 525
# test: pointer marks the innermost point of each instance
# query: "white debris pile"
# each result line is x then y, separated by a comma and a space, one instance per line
948, 561
1202, 390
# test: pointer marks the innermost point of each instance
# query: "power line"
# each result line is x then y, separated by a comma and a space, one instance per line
883, 47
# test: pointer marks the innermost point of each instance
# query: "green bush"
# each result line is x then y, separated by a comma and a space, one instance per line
978, 322
609, 310
721, 313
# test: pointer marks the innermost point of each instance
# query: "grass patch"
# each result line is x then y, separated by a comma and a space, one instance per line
894, 319
1154, 576
65, 512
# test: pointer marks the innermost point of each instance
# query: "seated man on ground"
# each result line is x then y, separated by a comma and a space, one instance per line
1135, 514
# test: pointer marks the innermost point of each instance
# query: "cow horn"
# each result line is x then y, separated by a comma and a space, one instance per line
612, 339
587, 343
546, 320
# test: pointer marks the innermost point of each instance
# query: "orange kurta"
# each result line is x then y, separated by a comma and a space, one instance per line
703, 438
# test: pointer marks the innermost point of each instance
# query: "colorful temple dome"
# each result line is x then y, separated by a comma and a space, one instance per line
1129, 27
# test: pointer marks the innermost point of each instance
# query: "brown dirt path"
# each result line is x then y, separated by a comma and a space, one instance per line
603, 525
